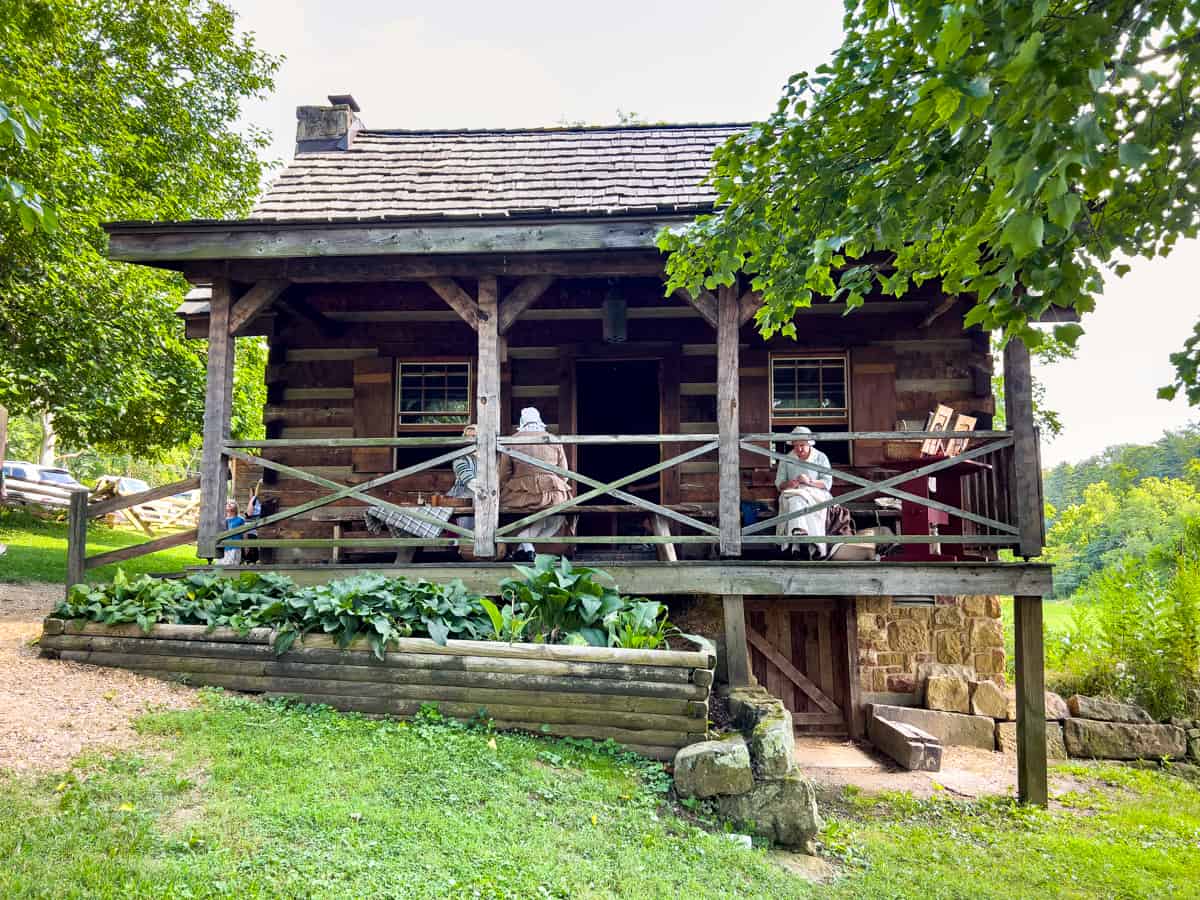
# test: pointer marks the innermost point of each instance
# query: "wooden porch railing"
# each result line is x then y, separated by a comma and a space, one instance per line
80, 511
986, 517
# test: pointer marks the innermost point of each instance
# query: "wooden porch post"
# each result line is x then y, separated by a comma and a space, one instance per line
1018, 404
1031, 701
728, 422
77, 522
737, 653
218, 402
487, 379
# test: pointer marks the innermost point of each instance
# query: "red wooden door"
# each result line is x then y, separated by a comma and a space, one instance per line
799, 653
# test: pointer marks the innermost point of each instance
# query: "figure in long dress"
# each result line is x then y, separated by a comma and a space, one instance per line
801, 486
525, 487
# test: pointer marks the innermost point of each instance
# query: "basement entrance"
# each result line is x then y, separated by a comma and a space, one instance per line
799, 652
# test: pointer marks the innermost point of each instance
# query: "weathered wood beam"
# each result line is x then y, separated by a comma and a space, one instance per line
1026, 458
737, 651
1031, 701
728, 422
218, 407
854, 710
254, 240
304, 310
748, 578
705, 304
748, 304
520, 298
113, 504
487, 417
598, 264
77, 519
123, 553
458, 300
939, 310
254, 301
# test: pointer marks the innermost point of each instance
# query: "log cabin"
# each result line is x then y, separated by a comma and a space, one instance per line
409, 283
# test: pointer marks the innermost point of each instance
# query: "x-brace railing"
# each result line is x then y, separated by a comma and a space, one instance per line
611, 488
887, 486
354, 492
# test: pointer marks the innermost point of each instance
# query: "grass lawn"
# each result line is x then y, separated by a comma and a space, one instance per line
238, 798
37, 550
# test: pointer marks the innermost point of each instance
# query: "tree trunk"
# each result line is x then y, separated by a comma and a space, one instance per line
3, 449
48, 453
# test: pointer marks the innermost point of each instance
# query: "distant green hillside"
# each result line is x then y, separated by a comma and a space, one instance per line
1122, 466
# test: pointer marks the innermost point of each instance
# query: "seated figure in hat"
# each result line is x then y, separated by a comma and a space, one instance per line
525, 487
800, 487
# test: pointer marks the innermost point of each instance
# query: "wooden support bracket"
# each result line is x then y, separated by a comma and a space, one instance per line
458, 300
705, 304
253, 302
748, 304
520, 298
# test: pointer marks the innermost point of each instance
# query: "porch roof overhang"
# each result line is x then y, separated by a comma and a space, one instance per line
182, 245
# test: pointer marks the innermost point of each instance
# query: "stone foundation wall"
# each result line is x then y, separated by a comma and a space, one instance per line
894, 640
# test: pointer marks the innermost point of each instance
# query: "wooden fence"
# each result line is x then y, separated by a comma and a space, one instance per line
78, 562
651, 701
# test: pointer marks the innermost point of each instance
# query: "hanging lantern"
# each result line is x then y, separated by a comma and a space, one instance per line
614, 316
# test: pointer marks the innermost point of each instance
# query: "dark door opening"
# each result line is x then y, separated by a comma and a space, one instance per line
618, 397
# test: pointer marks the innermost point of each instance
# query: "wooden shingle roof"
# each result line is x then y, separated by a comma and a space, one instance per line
538, 172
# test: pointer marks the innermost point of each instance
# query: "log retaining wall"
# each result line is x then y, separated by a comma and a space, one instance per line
651, 701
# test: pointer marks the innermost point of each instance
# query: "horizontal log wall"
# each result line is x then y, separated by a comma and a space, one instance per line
652, 701
319, 330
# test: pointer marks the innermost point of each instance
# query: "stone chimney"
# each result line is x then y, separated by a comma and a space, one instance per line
324, 128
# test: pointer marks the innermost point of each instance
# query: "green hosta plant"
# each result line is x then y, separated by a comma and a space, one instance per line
507, 623
642, 625
563, 603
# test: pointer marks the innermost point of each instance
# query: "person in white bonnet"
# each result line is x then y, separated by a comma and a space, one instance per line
526, 488
801, 486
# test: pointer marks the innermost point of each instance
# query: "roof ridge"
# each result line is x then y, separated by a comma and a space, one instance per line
562, 129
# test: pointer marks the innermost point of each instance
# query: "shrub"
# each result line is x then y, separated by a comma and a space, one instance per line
552, 603
1138, 636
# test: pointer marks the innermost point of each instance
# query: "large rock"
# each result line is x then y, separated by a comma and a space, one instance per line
952, 729
927, 670
1093, 739
988, 700
1006, 739
948, 693
714, 767
1193, 745
912, 748
773, 744
1056, 707
783, 810
1107, 711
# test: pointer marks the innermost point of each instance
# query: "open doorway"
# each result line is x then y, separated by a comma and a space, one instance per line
618, 397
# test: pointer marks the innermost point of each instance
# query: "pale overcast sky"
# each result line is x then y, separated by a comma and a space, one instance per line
485, 64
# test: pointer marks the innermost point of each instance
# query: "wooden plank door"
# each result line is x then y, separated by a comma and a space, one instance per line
798, 652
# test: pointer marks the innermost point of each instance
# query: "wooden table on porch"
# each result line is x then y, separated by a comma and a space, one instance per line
946, 488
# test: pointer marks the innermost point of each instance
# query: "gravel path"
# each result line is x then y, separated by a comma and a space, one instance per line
50, 710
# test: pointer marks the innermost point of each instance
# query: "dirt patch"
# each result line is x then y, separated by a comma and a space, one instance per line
50, 710
966, 772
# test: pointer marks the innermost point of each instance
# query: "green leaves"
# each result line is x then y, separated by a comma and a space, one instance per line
554, 603
984, 146
1023, 233
117, 110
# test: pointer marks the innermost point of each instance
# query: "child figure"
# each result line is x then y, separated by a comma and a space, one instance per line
232, 556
